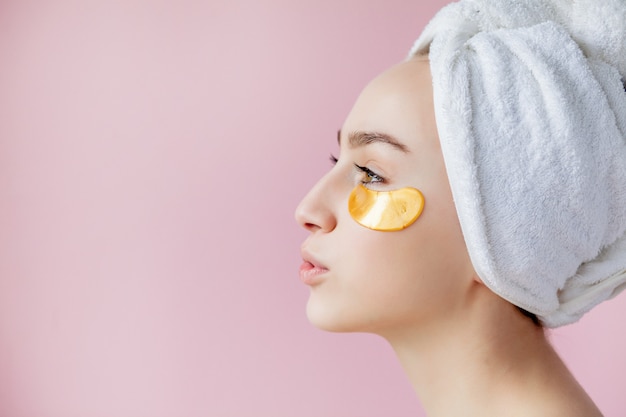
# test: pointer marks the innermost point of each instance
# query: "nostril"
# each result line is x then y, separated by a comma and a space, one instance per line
311, 226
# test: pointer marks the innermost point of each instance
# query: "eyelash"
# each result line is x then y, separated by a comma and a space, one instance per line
371, 176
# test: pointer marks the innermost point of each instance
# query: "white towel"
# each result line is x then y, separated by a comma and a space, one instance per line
531, 111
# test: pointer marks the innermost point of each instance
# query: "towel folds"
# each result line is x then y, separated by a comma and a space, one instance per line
530, 105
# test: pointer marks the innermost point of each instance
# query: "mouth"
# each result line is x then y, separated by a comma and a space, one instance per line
311, 271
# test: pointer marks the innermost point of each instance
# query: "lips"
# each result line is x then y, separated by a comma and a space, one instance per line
311, 271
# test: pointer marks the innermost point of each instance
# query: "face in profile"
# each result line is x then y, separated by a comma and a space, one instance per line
385, 281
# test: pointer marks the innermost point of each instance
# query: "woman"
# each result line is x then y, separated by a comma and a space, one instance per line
479, 195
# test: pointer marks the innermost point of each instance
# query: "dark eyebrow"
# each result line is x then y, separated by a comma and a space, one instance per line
360, 138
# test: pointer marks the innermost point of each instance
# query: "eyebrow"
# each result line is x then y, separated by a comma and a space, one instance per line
360, 138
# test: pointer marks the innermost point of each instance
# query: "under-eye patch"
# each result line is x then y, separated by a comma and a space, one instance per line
386, 211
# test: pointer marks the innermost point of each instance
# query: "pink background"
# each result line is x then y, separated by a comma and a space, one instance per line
151, 156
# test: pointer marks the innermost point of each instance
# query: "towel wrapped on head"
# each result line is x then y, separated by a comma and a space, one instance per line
530, 105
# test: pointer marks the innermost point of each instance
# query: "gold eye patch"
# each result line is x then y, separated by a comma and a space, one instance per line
386, 211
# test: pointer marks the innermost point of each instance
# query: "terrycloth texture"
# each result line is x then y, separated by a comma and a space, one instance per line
531, 112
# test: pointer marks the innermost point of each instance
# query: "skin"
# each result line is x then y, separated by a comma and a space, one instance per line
466, 350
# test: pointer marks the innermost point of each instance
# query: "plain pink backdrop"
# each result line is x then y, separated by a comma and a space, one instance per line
151, 156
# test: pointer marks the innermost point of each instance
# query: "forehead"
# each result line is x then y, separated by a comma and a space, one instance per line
397, 102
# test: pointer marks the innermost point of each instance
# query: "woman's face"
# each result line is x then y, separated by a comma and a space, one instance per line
374, 281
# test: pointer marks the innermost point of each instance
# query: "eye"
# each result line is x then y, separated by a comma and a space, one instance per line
370, 176
333, 159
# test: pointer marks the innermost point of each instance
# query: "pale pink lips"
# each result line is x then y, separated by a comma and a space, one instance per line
311, 274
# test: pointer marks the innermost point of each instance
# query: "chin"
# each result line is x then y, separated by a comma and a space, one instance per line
331, 320
321, 318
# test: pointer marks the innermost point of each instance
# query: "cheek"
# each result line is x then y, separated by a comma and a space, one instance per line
384, 279
422, 269
406, 275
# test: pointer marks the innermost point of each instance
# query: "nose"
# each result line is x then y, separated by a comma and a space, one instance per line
315, 211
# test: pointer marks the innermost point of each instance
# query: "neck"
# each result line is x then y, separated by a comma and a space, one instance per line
488, 361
